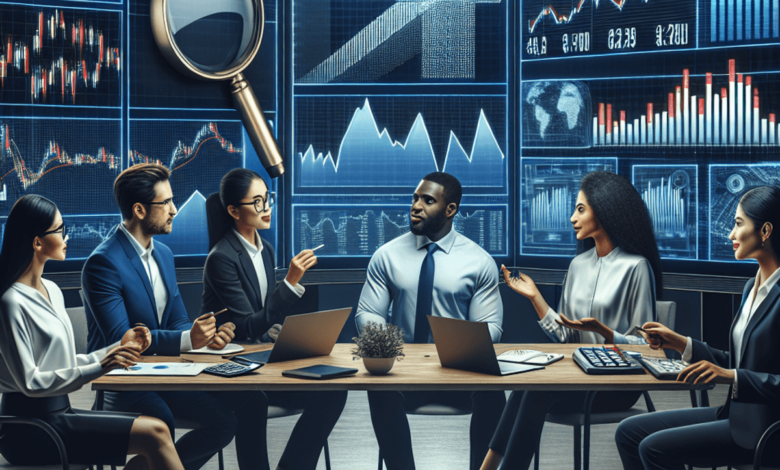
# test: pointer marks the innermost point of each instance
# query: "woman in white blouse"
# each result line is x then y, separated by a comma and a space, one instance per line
610, 288
39, 365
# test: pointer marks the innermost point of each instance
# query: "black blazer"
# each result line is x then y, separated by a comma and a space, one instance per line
230, 280
757, 405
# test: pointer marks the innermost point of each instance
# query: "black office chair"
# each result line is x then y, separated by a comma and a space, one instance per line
666, 312
64, 465
762, 443
432, 409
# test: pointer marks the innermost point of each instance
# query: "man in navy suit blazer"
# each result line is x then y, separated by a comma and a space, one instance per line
130, 279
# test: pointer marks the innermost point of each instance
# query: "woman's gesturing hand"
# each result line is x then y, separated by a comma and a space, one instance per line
589, 324
299, 265
123, 356
521, 284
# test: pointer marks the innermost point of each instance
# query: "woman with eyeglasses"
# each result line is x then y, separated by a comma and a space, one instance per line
239, 275
39, 365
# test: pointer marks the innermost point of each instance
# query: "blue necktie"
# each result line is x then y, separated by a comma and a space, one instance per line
425, 297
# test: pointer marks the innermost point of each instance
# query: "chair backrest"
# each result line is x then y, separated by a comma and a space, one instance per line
667, 312
78, 318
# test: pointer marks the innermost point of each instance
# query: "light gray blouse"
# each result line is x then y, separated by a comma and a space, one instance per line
37, 346
617, 289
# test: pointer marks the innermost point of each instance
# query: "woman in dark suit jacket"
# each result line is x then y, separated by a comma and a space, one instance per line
239, 275
709, 437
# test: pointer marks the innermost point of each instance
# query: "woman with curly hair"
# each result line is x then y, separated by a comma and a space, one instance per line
611, 286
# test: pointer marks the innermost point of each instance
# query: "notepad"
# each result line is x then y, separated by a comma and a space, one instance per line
231, 348
529, 356
183, 369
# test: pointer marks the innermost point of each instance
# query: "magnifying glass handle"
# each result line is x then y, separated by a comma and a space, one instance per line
256, 126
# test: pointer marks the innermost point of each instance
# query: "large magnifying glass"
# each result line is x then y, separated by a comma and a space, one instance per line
217, 40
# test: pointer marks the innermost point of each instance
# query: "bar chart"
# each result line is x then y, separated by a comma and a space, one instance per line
740, 21
548, 194
720, 110
670, 193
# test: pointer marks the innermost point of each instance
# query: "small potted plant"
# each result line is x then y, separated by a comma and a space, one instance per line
379, 347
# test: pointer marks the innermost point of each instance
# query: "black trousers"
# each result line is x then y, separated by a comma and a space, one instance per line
223, 415
388, 415
672, 439
520, 429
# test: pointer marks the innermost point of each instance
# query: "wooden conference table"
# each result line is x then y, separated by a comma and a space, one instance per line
419, 370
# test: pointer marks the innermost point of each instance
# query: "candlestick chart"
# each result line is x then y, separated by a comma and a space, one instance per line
60, 56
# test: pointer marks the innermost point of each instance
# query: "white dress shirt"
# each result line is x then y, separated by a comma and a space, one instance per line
156, 281
255, 252
37, 346
753, 301
465, 284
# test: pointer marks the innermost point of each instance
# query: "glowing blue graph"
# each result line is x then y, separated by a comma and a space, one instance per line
368, 156
728, 183
73, 162
753, 21
548, 194
85, 233
556, 114
442, 33
190, 235
670, 193
357, 231
198, 153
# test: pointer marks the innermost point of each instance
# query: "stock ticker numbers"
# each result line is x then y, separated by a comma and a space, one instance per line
557, 29
60, 56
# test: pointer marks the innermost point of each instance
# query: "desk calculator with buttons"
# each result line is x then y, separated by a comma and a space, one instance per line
663, 368
606, 361
231, 369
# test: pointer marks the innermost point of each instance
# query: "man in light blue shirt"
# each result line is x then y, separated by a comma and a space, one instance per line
433, 270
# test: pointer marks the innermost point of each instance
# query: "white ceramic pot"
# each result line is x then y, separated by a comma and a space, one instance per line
378, 365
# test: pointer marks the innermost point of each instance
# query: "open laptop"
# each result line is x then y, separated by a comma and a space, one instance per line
302, 336
466, 345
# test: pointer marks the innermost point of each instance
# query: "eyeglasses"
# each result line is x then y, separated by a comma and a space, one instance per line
61, 229
261, 204
167, 203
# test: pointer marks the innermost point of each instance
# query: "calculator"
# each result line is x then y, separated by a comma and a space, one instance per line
606, 361
663, 368
231, 369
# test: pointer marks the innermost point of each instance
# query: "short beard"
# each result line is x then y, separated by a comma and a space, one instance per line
431, 226
151, 229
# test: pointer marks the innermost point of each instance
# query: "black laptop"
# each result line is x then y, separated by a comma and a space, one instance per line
466, 345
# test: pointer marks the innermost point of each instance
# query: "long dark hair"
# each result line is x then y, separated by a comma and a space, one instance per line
762, 205
620, 210
233, 187
30, 216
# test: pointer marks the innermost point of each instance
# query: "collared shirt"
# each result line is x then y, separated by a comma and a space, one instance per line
255, 252
465, 284
37, 347
617, 289
156, 281
754, 300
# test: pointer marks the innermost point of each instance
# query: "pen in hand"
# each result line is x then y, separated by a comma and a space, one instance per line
317, 247
214, 314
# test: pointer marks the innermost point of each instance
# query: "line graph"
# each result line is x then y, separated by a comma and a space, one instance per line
358, 230
558, 18
73, 162
198, 153
367, 157
60, 56
671, 195
85, 233
418, 39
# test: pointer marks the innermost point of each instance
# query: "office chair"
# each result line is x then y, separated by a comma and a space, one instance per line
666, 312
762, 443
64, 465
432, 409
